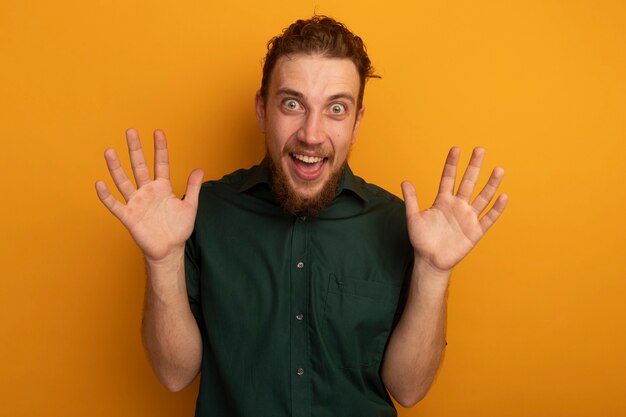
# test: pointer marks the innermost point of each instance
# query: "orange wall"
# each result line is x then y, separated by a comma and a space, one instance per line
536, 317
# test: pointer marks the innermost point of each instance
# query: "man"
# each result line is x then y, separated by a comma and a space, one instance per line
294, 287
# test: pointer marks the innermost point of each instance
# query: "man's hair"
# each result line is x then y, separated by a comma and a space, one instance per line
318, 35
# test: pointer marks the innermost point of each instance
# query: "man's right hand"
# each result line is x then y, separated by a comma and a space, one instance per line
157, 220
160, 223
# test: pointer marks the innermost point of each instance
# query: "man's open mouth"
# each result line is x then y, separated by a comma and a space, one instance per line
307, 159
308, 167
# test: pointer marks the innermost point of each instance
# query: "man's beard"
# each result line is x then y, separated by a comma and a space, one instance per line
295, 203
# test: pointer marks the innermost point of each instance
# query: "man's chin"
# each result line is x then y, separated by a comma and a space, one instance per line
299, 197
307, 191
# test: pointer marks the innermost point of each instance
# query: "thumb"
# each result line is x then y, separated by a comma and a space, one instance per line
410, 198
194, 182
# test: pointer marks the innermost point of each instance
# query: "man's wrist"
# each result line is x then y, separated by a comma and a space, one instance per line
167, 275
169, 263
428, 280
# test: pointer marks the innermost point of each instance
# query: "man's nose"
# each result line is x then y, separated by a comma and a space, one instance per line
311, 131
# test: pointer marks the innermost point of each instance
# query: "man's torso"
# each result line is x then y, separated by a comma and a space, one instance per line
294, 311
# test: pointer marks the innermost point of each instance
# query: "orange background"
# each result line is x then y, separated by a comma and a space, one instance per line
536, 316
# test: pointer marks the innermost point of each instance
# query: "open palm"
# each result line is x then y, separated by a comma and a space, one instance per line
445, 233
157, 220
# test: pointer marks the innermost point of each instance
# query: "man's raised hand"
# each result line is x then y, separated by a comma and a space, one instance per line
158, 221
445, 233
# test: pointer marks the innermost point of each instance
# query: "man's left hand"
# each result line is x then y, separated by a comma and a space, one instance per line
443, 234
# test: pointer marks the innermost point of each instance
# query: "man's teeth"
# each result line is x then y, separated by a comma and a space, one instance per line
308, 159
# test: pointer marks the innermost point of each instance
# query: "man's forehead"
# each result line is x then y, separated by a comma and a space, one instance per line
314, 73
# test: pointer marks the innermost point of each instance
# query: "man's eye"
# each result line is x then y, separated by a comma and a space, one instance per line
291, 104
337, 108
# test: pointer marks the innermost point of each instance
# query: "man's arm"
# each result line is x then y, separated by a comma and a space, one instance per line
417, 343
441, 237
160, 223
170, 332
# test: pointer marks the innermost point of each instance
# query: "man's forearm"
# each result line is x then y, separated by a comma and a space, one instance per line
170, 332
417, 343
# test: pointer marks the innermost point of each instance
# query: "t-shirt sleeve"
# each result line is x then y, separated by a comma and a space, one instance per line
192, 278
405, 257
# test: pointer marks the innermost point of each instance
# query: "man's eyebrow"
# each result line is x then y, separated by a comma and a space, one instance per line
297, 94
345, 96
289, 92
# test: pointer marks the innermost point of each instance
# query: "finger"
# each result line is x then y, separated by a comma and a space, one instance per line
137, 159
108, 200
410, 198
123, 184
494, 213
448, 177
161, 159
489, 190
194, 183
466, 188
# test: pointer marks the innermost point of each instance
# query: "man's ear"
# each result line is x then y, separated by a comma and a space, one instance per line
357, 122
259, 106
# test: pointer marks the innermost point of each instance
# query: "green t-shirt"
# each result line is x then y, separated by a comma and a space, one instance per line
295, 312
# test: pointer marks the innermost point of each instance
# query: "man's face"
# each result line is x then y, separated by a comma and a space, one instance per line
310, 121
